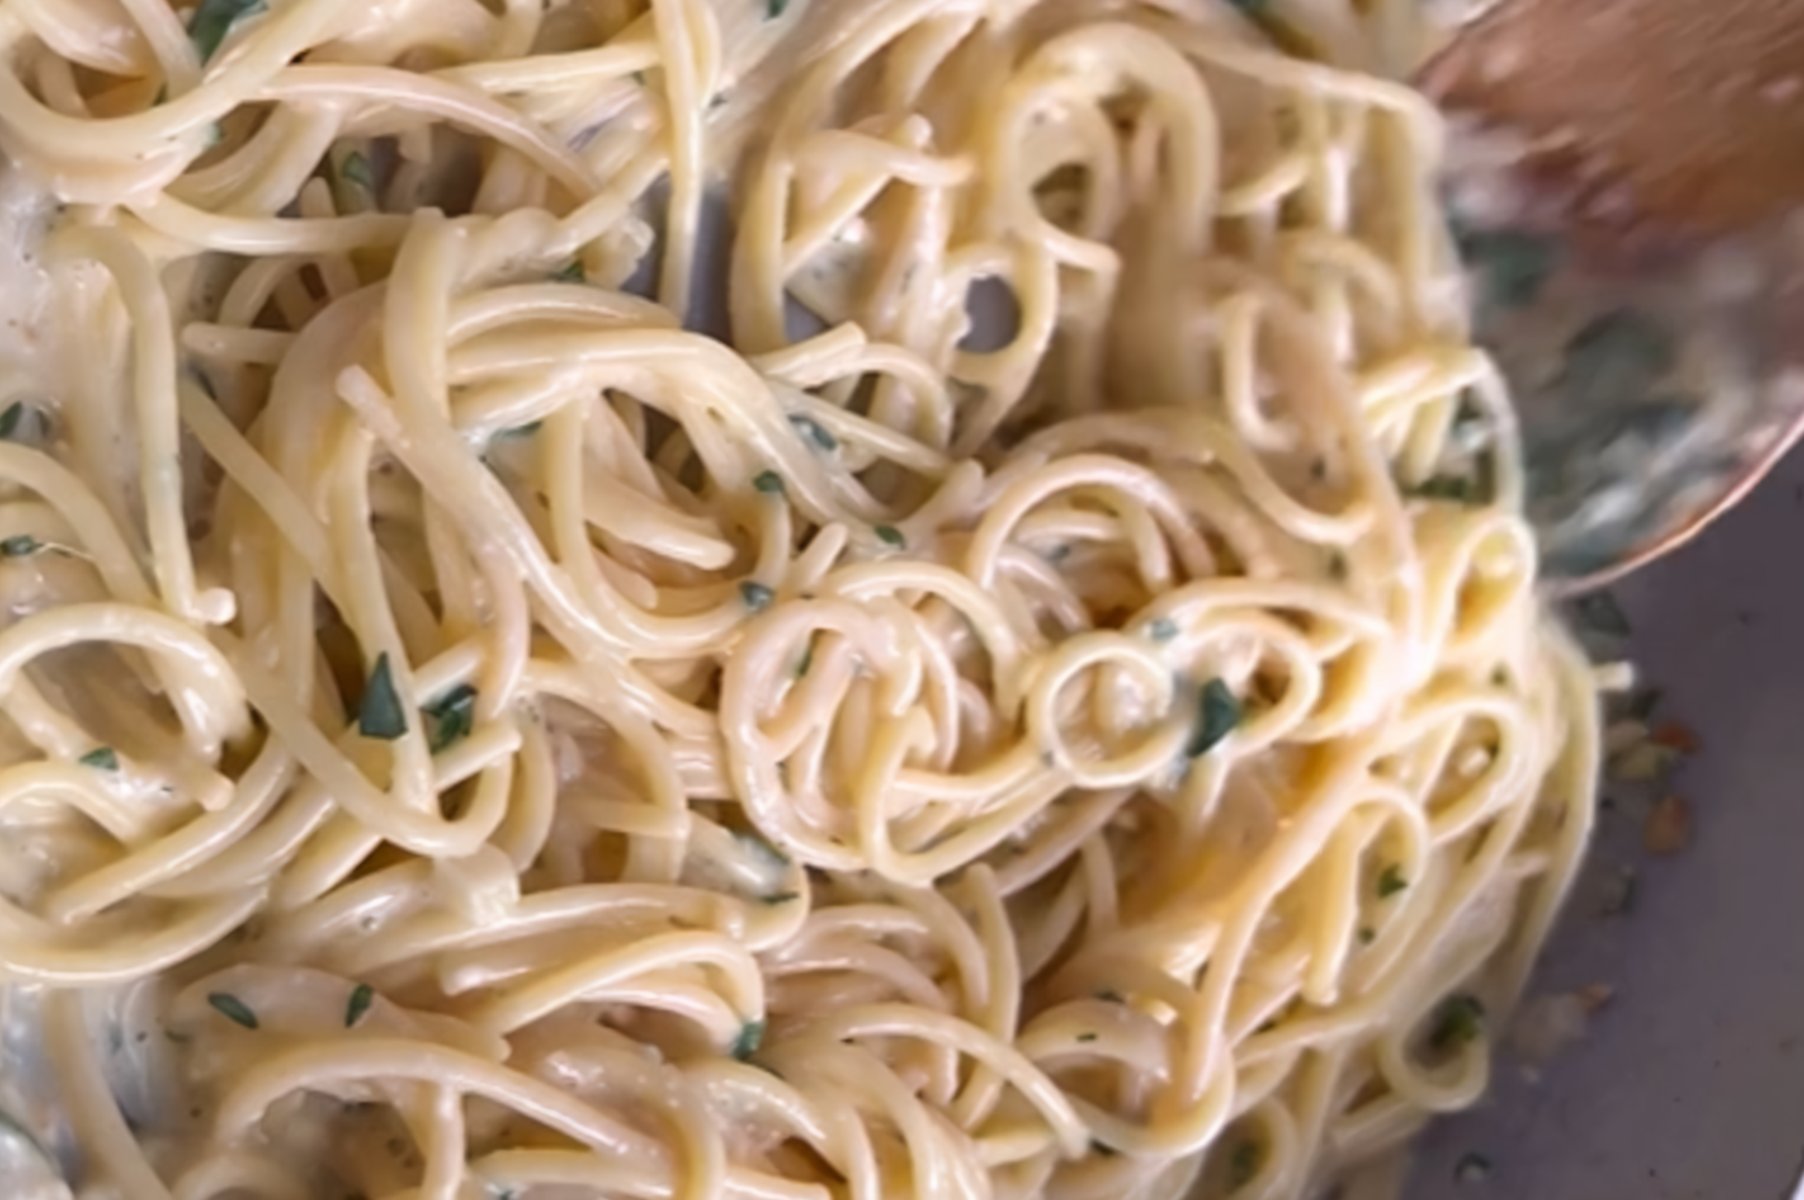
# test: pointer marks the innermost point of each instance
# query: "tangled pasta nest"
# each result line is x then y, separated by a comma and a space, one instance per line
1050, 703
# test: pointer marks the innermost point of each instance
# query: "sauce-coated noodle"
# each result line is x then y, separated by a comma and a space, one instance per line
1052, 702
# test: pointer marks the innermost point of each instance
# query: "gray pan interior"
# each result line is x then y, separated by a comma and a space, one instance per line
1689, 1085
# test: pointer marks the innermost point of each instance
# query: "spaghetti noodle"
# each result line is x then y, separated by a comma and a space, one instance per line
1050, 701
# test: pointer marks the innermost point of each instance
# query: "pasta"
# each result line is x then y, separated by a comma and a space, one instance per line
722, 598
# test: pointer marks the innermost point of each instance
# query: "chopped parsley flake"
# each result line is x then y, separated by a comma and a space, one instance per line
362, 996
1162, 629
20, 422
1218, 715
451, 717
356, 170
1086, 1037
379, 714
1460, 1022
768, 482
774, 8
751, 1036
20, 545
571, 272
233, 1009
1391, 881
814, 431
214, 19
756, 596
776, 898
104, 758
889, 535
1452, 488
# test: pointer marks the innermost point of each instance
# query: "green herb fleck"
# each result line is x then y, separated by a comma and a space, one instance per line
233, 1009
379, 714
1472, 1168
756, 596
362, 996
1600, 613
1367, 935
1218, 714
1162, 629
776, 898
356, 170
571, 272
889, 535
751, 1036
451, 717
1086, 1037
774, 8
806, 662
20, 545
1244, 1163
102, 757
1453, 488
1460, 1022
768, 482
1111, 995
814, 431
1337, 565
214, 19
1391, 881
20, 422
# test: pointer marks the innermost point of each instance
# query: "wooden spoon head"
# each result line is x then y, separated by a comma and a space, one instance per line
1676, 116
1626, 179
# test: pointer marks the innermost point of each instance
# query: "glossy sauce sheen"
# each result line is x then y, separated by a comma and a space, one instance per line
1049, 702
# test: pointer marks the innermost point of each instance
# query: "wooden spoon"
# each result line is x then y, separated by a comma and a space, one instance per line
1627, 182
